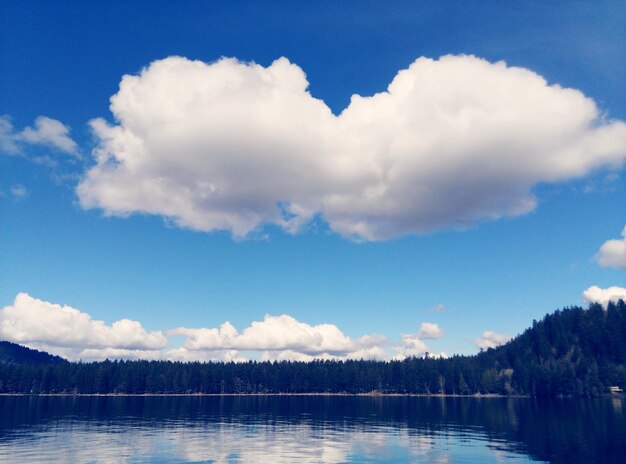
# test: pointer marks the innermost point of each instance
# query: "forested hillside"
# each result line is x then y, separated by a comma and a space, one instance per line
573, 351
14, 353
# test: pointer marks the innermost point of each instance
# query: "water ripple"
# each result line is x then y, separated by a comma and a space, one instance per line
303, 430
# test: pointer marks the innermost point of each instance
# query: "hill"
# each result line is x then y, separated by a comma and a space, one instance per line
17, 354
572, 352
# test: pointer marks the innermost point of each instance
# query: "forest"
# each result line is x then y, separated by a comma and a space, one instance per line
571, 352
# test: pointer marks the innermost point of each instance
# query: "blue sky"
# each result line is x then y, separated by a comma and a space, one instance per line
65, 61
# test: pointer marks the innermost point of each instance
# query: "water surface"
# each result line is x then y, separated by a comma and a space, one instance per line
319, 429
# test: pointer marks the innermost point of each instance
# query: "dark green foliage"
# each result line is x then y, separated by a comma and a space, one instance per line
571, 352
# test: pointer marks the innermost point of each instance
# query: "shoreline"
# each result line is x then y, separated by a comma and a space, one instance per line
312, 394
364, 395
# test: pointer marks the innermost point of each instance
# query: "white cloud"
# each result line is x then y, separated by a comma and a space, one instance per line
281, 337
47, 131
65, 330
73, 334
613, 253
7, 137
603, 296
372, 353
100, 354
429, 330
174, 354
412, 345
491, 340
51, 132
18, 191
232, 146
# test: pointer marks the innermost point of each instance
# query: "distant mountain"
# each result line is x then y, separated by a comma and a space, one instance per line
572, 352
13, 353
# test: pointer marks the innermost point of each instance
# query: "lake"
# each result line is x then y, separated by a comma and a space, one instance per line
311, 429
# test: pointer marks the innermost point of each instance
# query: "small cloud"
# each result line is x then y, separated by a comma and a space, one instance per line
45, 161
440, 308
50, 132
491, 339
412, 345
603, 296
47, 131
18, 191
7, 137
613, 253
429, 330
607, 183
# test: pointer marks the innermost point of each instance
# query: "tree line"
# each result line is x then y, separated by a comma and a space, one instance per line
572, 352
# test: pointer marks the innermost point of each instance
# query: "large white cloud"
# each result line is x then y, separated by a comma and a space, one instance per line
603, 296
32, 321
47, 131
232, 146
613, 253
280, 334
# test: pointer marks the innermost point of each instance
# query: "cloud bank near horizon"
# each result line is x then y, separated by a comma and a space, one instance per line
69, 332
284, 334
73, 334
234, 146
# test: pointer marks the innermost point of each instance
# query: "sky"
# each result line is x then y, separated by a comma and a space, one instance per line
299, 180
